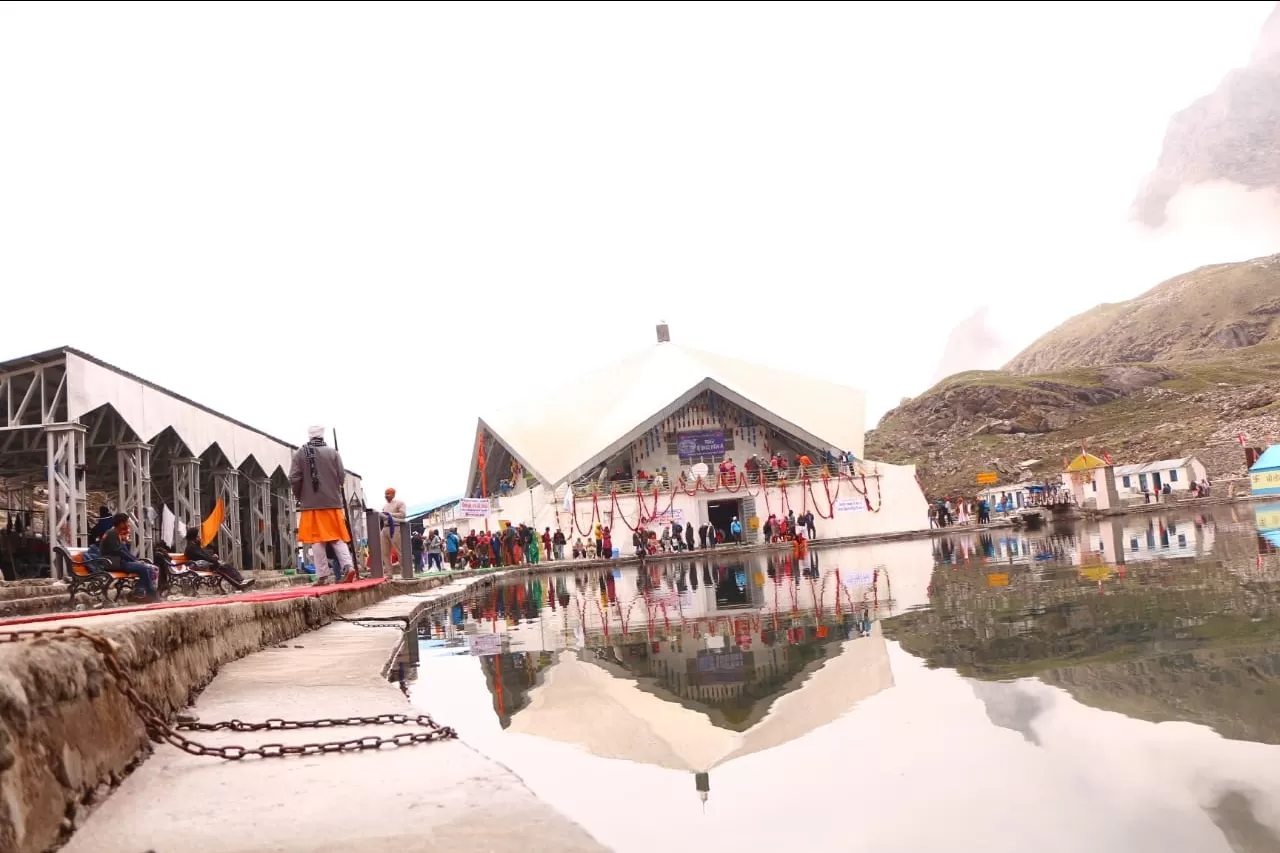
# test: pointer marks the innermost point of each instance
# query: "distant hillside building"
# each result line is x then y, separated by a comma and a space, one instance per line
1092, 482
643, 441
1264, 475
1178, 474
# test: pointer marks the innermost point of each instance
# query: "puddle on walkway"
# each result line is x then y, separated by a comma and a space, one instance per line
1112, 686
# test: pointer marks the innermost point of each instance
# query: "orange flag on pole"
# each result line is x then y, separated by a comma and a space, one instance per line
209, 528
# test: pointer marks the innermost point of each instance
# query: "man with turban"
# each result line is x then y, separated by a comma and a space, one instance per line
316, 477
393, 515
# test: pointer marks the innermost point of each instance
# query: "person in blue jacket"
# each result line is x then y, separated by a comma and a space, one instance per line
451, 544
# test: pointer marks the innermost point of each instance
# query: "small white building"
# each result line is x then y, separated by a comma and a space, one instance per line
559, 463
1179, 474
1012, 496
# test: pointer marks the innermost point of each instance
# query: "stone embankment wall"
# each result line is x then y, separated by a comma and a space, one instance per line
68, 736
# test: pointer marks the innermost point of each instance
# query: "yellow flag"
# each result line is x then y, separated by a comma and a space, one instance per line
209, 528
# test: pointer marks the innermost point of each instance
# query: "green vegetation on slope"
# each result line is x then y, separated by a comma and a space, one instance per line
1138, 412
1208, 310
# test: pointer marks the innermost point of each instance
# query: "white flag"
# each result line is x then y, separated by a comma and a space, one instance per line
168, 528
567, 506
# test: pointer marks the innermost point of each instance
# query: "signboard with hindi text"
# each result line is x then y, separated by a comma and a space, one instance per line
851, 505
1265, 482
988, 478
669, 516
473, 508
707, 442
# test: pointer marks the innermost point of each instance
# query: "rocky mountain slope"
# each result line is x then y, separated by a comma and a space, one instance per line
998, 420
1214, 308
1231, 134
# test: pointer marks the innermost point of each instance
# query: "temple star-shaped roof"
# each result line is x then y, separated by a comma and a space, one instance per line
568, 432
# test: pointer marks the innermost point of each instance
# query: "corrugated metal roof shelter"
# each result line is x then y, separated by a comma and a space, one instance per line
566, 434
1264, 476
76, 423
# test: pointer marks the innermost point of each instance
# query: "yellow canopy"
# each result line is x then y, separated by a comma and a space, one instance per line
1085, 462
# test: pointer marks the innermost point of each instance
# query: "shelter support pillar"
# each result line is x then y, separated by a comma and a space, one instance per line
66, 516
260, 537
374, 544
286, 529
133, 465
405, 547
186, 492
226, 485
359, 521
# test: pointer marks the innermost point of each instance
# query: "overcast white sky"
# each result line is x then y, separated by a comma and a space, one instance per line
391, 218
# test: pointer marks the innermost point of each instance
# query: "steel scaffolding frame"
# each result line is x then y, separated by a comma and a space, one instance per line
32, 395
186, 491
66, 515
260, 538
133, 464
286, 528
226, 485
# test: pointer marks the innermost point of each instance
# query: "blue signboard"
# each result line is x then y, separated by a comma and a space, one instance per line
705, 443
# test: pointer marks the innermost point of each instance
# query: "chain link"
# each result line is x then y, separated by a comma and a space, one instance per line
159, 729
400, 623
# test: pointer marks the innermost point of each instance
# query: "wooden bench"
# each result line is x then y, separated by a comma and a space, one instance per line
92, 576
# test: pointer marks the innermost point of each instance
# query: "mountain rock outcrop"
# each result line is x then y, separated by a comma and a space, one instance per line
1231, 134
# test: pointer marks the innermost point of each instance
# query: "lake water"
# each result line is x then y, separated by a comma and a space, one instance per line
1110, 686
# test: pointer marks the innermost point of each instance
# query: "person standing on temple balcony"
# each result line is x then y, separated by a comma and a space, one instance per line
735, 529
393, 515
315, 477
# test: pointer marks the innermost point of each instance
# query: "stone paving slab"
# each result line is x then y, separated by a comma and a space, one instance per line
440, 796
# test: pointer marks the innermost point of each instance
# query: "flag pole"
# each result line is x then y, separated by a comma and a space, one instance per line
354, 574
484, 486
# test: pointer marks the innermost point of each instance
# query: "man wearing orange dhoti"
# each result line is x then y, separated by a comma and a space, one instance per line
316, 479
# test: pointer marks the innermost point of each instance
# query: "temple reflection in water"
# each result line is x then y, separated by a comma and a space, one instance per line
680, 665
922, 656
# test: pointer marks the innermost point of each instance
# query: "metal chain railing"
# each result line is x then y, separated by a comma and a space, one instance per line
160, 730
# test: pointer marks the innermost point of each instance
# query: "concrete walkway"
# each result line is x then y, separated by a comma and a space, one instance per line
439, 796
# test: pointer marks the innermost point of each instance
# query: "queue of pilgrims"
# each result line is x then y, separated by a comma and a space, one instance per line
515, 545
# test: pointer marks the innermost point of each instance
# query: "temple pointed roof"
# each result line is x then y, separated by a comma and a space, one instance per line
566, 433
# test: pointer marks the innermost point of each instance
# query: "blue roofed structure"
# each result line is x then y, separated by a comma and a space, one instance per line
1264, 476
419, 510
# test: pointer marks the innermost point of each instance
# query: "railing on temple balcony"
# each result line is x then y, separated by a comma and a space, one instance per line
716, 481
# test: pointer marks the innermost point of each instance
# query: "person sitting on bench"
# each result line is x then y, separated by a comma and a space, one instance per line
113, 546
202, 558
104, 522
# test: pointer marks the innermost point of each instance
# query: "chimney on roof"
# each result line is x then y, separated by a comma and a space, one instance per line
664, 333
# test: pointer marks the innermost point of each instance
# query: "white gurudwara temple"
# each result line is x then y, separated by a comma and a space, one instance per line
644, 441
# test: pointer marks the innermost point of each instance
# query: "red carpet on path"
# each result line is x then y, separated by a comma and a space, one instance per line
265, 595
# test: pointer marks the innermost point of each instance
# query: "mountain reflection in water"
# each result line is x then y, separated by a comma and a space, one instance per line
771, 678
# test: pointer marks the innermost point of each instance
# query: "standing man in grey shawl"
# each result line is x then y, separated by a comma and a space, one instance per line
316, 477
